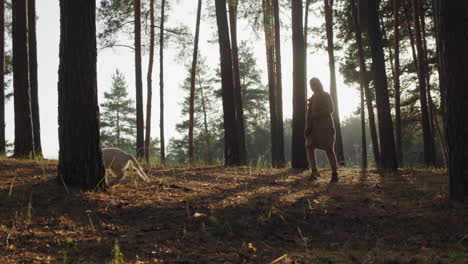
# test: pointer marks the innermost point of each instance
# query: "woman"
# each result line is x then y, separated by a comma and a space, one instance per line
320, 131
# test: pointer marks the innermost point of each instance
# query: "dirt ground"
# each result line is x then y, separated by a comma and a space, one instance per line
231, 215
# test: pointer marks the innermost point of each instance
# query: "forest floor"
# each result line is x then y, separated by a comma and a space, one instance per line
231, 215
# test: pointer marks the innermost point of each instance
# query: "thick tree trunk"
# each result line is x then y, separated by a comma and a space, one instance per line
33, 77
364, 82
279, 87
161, 85
387, 141
236, 75
80, 156
453, 40
192, 83
138, 81
299, 160
396, 81
24, 138
331, 58
149, 81
231, 138
270, 57
2, 79
428, 137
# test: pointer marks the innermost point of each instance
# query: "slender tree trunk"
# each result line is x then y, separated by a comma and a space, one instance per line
149, 81
209, 156
365, 83
2, 79
428, 138
390, 53
439, 59
80, 156
270, 56
363, 131
192, 83
387, 141
299, 160
24, 138
453, 40
231, 144
279, 86
138, 81
331, 57
33, 76
396, 81
306, 29
237, 87
411, 37
161, 85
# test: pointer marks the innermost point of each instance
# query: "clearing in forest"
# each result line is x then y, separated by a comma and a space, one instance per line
231, 215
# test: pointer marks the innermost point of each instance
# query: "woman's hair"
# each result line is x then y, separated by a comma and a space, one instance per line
317, 83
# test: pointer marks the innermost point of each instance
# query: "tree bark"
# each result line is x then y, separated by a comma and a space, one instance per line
333, 92
453, 40
279, 87
387, 141
33, 76
80, 156
138, 81
298, 159
364, 82
428, 137
24, 137
161, 85
149, 81
396, 81
236, 75
2, 79
270, 57
192, 83
231, 138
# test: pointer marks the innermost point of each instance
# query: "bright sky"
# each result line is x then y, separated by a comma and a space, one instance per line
123, 59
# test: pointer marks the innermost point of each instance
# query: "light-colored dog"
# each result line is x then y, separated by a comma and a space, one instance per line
118, 161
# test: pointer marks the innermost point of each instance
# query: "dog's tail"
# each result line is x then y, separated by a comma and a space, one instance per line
139, 170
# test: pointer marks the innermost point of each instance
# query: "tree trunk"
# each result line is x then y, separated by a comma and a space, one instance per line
80, 156
2, 79
209, 155
298, 159
33, 76
396, 81
439, 59
161, 85
279, 87
270, 56
390, 53
428, 137
149, 86
363, 131
231, 138
365, 83
236, 75
333, 92
192, 83
138, 81
24, 138
387, 141
411, 36
453, 40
